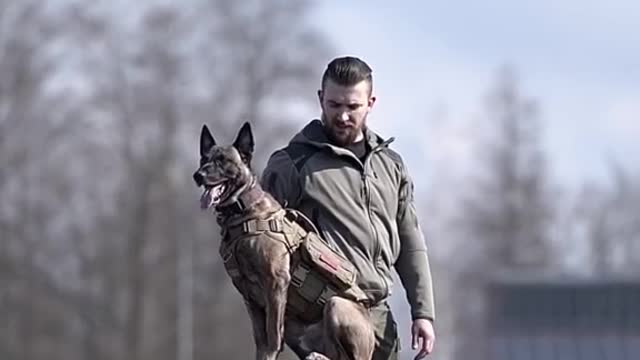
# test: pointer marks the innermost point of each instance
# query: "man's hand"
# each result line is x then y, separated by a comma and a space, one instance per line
423, 337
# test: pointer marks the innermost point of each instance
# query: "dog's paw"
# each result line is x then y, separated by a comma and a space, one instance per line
316, 356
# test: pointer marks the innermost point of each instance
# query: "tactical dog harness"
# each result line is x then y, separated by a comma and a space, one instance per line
318, 272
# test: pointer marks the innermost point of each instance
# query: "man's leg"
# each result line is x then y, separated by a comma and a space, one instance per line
386, 330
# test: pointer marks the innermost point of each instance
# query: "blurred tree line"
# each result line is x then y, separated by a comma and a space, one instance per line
104, 253
504, 215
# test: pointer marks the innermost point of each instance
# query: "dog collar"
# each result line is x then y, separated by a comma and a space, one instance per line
245, 200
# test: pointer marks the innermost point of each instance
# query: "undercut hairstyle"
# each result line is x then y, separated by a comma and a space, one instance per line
348, 71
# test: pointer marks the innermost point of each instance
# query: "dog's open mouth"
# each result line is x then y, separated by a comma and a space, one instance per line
212, 195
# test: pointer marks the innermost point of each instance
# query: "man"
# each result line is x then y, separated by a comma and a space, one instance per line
358, 193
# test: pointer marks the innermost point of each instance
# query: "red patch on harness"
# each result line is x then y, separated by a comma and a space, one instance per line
331, 261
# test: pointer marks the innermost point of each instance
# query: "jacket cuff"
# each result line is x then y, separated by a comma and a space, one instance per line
423, 315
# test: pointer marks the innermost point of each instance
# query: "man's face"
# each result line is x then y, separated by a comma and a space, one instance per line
345, 110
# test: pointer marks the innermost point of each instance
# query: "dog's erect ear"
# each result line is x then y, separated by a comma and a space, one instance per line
244, 142
206, 141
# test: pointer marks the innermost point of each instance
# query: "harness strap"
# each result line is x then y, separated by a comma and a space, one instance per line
254, 226
262, 225
279, 223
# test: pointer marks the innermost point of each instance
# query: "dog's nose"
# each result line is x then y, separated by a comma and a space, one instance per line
198, 178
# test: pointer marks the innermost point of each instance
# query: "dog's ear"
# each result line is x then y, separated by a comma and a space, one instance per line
206, 141
244, 142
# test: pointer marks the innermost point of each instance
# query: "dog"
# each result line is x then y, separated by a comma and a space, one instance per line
259, 263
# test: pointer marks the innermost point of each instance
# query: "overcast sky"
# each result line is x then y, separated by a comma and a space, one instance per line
435, 61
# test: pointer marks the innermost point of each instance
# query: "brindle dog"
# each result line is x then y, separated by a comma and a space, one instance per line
344, 332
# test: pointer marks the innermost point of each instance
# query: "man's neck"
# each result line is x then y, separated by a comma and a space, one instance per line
360, 137
359, 149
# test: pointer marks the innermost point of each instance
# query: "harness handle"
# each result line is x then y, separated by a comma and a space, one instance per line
299, 215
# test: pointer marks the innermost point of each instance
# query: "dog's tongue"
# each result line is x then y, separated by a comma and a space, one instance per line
206, 199
211, 196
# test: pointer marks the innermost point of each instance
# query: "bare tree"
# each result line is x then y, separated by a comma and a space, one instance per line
31, 185
99, 121
506, 213
604, 220
510, 208
623, 231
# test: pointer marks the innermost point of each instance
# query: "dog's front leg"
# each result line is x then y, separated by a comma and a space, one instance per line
276, 301
258, 321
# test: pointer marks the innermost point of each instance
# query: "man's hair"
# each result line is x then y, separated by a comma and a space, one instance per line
348, 71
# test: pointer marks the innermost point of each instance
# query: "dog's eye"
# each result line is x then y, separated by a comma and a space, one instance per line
216, 161
208, 162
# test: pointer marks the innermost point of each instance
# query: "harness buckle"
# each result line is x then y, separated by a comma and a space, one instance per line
326, 294
274, 225
299, 275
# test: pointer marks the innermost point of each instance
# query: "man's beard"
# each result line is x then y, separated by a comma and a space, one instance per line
342, 137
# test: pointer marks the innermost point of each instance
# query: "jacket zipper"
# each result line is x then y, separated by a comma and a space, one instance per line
377, 249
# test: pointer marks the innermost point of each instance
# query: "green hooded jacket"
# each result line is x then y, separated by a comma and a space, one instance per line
364, 209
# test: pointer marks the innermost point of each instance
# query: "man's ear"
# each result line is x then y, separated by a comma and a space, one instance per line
371, 101
206, 141
244, 143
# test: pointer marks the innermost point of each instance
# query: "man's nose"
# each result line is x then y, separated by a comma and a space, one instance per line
198, 177
344, 116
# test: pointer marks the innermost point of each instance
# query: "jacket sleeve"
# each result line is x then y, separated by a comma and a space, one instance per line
281, 179
413, 263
